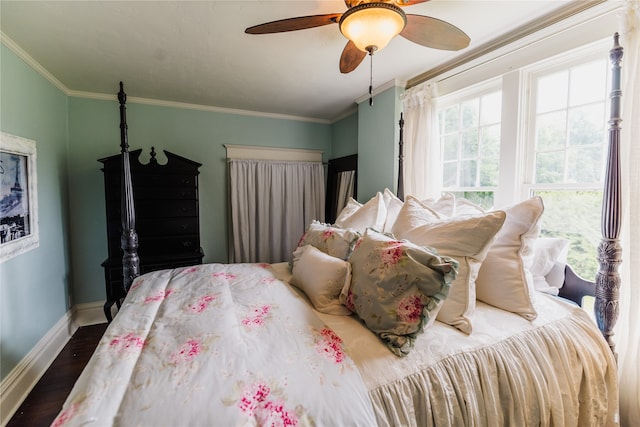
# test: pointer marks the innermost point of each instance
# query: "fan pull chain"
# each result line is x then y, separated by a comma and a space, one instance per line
371, 79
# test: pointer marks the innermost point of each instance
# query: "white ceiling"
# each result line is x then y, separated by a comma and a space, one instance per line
196, 52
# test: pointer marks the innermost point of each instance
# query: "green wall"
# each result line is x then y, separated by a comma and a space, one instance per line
378, 143
35, 285
344, 136
194, 134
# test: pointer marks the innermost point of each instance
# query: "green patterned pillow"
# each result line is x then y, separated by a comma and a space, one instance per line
397, 287
334, 241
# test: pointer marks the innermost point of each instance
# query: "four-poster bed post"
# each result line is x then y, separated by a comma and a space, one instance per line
129, 238
609, 251
400, 191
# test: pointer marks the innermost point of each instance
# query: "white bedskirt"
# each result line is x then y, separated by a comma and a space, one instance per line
554, 371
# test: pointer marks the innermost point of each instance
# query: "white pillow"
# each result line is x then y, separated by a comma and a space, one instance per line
549, 260
413, 214
445, 205
321, 277
466, 239
349, 209
466, 207
372, 214
449, 205
393, 205
505, 280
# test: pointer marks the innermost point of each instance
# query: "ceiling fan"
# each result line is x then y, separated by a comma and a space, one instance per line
370, 25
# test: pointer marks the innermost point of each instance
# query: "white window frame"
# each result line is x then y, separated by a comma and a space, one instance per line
517, 133
582, 55
476, 91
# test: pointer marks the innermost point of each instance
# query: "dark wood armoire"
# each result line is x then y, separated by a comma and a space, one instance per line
167, 217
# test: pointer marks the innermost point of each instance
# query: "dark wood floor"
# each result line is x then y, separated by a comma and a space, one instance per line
45, 400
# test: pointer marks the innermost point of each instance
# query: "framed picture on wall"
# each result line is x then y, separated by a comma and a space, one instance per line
18, 196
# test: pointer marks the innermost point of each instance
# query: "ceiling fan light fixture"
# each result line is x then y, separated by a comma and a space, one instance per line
371, 26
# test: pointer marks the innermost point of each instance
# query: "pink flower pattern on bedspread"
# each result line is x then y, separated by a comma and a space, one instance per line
257, 316
66, 415
187, 352
219, 344
202, 304
256, 402
127, 343
329, 345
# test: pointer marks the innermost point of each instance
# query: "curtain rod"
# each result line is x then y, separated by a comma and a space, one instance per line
573, 8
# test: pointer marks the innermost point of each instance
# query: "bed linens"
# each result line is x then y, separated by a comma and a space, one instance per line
223, 345
554, 371
236, 345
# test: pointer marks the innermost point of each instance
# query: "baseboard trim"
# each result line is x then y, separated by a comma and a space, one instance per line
18, 384
91, 313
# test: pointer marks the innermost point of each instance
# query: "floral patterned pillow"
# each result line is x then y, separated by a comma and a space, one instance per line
334, 241
397, 288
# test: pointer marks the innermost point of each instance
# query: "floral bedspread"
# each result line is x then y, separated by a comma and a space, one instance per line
218, 345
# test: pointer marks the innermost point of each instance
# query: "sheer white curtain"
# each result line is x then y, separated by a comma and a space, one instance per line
421, 150
272, 203
627, 337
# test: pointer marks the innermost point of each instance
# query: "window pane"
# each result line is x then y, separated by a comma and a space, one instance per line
450, 123
552, 92
450, 174
470, 113
489, 172
588, 83
574, 215
550, 131
491, 108
469, 144
550, 168
490, 142
586, 125
468, 170
584, 164
450, 147
471, 152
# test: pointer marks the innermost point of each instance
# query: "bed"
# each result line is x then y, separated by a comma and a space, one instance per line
404, 312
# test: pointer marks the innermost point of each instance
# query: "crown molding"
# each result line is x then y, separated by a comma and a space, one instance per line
22, 54
35, 65
383, 87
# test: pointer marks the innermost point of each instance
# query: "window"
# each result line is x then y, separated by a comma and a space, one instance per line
469, 135
568, 139
554, 145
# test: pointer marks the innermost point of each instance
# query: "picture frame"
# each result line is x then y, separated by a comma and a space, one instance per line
18, 196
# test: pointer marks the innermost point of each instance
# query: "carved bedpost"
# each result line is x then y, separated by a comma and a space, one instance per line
609, 251
400, 192
129, 238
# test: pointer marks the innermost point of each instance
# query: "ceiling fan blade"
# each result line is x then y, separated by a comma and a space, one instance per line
351, 57
293, 24
434, 33
409, 2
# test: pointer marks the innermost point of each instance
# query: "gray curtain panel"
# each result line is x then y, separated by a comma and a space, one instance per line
272, 203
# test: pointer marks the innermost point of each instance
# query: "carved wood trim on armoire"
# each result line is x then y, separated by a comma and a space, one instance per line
167, 217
